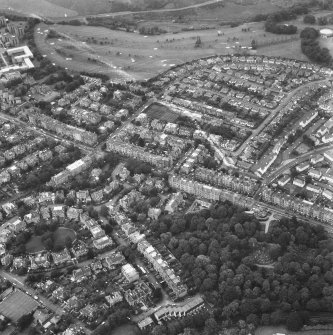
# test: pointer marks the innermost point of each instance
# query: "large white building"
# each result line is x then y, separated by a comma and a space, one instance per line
326, 33
129, 273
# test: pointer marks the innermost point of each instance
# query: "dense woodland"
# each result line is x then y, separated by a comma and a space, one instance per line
218, 248
311, 48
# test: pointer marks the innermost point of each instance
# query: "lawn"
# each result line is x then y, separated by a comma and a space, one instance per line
61, 235
126, 330
35, 243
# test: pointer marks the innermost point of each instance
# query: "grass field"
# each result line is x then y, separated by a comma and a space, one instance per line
35, 243
126, 330
157, 111
125, 56
17, 304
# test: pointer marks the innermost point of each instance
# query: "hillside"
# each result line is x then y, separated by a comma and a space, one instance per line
84, 7
36, 7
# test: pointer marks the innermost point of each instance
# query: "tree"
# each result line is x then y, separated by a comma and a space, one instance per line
254, 44
322, 21
157, 295
309, 19
68, 242
211, 327
294, 322
24, 321
104, 211
198, 42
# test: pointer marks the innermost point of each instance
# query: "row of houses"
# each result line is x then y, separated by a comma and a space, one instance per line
60, 128
237, 184
303, 207
151, 254
138, 153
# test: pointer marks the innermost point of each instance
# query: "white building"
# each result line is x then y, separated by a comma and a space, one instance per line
129, 273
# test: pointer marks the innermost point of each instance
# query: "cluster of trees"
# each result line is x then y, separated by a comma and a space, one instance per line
107, 164
16, 245
311, 48
286, 29
322, 20
25, 320
224, 131
283, 15
14, 82
72, 23
309, 19
154, 30
138, 167
272, 20
53, 34
215, 248
117, 317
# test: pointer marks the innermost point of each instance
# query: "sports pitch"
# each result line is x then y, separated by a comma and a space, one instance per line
17, 304
157, 111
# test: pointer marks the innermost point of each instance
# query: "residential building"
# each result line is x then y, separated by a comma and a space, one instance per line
174, 202
190, 307
114, 298
97, 232
114, 259
61, 257
284, 180
299, 182
102, 242
138, 295
129, 273
302, 167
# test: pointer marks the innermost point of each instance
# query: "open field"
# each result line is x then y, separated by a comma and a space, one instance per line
125, 56
17, 304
